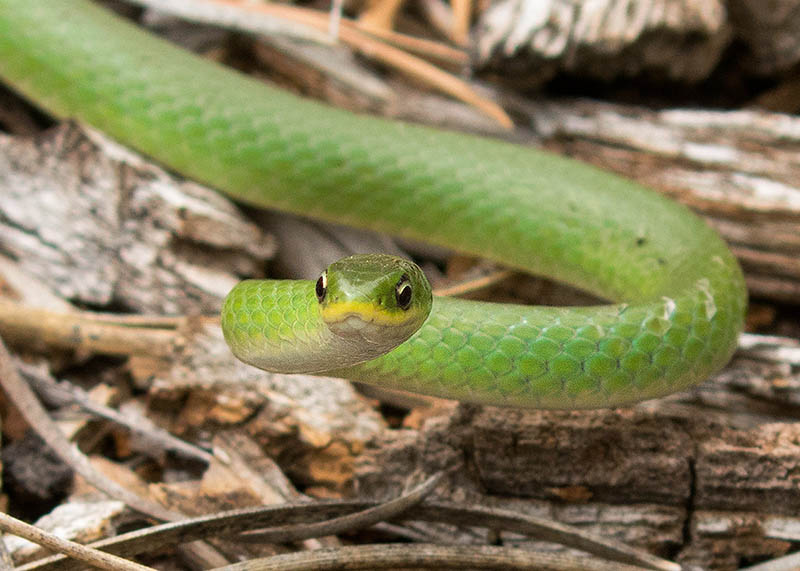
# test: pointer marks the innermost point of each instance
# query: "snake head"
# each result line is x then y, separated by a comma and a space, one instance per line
378, 298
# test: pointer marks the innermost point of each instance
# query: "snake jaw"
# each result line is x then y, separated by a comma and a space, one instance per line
369, 322
353, 326
371, 327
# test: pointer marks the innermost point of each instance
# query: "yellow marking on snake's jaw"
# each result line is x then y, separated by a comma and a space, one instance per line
368, 312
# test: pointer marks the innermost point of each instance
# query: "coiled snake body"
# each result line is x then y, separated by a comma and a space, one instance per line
678, 291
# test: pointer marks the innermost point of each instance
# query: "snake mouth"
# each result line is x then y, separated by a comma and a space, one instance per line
354, 325
370, 327
365, 311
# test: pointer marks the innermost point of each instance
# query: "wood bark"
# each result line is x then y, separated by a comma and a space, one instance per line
532, 41
101, 226
771, 31
737, 168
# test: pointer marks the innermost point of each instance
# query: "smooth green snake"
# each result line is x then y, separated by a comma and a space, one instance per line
679, 293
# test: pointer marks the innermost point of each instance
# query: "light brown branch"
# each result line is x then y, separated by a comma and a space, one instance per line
425, 556
71, 549
86, 332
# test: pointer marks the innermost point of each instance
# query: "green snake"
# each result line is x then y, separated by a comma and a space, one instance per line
678, 295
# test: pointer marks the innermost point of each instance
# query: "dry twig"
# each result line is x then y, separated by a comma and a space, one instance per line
74, 550
87, 332
425, 556
350, 522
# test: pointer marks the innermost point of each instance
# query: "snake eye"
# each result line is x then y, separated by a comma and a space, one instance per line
322, 286
402, 293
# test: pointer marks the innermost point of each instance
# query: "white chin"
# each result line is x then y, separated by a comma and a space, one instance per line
352, 326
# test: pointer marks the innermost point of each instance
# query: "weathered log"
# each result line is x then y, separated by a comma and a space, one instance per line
737, 168
101, 226
532, 41
710, 487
